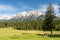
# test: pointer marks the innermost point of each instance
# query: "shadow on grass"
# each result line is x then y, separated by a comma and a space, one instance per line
25, 33
55, 35
50, 35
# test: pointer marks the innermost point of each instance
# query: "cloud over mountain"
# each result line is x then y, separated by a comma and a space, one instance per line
35, 12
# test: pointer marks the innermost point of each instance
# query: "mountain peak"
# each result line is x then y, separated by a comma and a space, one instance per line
27, 13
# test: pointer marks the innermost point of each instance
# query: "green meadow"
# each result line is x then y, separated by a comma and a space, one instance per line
12, 34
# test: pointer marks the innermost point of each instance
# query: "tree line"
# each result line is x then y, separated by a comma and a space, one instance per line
32, 25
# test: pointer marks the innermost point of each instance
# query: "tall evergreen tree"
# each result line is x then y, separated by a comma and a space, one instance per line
48, 24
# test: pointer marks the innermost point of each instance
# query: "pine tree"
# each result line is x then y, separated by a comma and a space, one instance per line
48, 24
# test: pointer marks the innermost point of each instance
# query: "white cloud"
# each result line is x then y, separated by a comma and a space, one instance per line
5, 17
5, 11
6, 8
56, 8
43, 8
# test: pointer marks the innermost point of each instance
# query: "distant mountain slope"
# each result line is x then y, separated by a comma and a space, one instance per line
27, 16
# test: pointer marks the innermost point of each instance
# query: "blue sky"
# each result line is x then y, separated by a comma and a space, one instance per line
10, 7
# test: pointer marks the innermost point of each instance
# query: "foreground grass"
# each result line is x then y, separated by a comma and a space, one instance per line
11, 34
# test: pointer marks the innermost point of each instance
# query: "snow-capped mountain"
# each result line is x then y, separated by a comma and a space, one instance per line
27, 16
28, 13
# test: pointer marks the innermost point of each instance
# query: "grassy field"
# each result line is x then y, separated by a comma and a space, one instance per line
11, 34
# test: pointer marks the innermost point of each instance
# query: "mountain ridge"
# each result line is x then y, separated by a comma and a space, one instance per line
27, 16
